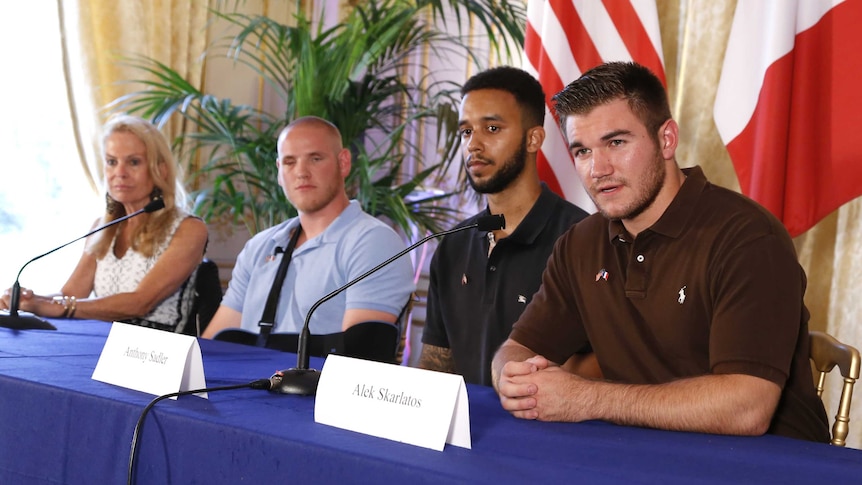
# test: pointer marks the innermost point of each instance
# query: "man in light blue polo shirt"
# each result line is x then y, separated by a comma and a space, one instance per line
337, 242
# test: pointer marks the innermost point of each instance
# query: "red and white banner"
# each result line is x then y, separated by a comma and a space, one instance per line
564, 39
789, 106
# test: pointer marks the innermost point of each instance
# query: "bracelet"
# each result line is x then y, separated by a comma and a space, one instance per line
69, 303
73, 304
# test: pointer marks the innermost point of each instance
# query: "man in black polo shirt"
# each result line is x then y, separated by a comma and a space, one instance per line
481, 282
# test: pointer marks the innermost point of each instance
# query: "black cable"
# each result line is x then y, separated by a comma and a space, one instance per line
258, 384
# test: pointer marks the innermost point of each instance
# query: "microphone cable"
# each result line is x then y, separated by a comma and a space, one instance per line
263, 384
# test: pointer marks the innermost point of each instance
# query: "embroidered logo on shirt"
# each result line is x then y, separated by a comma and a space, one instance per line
464, 279
522, 299
602, 275
681, 298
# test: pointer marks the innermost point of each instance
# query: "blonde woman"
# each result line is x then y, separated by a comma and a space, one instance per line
140, 270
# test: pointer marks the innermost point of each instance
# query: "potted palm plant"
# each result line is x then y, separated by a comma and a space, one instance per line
354, 74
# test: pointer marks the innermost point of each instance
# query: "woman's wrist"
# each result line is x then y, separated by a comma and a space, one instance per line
68, 303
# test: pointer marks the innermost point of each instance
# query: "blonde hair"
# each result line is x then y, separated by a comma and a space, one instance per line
164, 173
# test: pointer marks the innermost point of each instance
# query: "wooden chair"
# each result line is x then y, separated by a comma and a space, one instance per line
826, 353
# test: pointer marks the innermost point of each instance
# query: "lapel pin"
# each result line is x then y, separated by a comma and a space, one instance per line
602, 275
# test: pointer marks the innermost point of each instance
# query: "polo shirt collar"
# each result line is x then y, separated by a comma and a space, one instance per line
332, 233
531, 227
281, 237
678, 214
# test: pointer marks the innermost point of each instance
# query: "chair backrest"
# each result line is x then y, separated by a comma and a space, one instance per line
827, 353
207, 298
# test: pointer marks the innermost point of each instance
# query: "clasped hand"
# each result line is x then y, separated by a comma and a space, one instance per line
539, 389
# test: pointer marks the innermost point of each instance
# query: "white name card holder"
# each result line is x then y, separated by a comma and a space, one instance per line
151, 361
414, 406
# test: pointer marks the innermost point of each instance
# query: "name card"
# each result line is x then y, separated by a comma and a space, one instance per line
150, 360
414, 406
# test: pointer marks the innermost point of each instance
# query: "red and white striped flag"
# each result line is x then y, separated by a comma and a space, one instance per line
789, 107
564, 39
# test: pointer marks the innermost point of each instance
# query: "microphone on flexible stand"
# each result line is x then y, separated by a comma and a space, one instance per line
25, 320
302, 380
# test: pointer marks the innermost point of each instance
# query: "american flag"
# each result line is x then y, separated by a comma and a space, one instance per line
566, 38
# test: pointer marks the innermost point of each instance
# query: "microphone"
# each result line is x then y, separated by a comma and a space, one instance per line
303, 381
25, 320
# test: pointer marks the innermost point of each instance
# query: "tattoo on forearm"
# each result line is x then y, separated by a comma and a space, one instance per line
436, 358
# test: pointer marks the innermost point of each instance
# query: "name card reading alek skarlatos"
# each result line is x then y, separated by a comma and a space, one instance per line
405, 404
150, 360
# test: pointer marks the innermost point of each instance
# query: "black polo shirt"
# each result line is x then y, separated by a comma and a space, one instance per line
473, 300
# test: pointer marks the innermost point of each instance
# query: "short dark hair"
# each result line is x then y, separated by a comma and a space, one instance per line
602, 84
523, 86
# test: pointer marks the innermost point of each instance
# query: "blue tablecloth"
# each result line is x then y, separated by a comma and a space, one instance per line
57, 425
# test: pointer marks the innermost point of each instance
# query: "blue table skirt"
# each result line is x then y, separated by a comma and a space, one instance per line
57, 425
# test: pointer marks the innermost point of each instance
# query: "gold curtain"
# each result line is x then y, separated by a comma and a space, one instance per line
694, 36
98, 34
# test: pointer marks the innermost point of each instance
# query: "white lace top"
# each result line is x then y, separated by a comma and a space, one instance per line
121, 275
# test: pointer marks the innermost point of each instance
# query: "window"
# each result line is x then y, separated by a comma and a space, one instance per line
45, 200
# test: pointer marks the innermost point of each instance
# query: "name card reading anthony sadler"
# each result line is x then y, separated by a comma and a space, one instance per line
151, 361
143, 356
414, 406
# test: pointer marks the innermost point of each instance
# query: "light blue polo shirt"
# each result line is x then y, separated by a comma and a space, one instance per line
354, 243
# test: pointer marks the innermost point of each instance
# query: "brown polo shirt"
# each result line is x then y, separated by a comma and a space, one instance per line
713, 286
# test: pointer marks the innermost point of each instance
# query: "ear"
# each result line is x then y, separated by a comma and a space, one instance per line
344, 162
535, 138
668, 137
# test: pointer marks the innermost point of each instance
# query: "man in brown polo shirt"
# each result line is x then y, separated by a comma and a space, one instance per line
689, 294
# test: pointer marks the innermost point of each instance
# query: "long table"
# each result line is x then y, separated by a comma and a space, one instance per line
57, 425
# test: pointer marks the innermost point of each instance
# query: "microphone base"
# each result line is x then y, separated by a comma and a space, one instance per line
24, 321
299, 382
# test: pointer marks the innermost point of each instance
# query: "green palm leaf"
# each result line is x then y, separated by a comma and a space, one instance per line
353, 74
